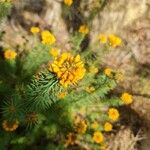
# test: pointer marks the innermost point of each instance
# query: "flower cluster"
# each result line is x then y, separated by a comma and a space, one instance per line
10, 54
112, 40
10, 125
68, 2
84, 29
69, 69
126, 98
113, 114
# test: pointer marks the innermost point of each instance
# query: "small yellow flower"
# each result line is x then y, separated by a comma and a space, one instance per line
90, 89
84, 29
114, 40
119, 76
71, 139
61, 95
113, 114
81, 126
54, 52
93, 69
68, 2
47, 37
10, 125
94, 125
103, 147
126, 98
69, 69
102, 38
107, 126
98, 137
10, 54
35, 30
108, 72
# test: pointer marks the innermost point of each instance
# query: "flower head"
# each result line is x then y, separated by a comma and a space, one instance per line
81, 126
98, 137
107, 126
94, 125
10, 125
108, 72
10, 54
69, 69
84, 29
102, 38
68, 2
35, 30
90, 89
113, 114
47, 37
126, 98
93, 69
54, 52
114, 40
71, 138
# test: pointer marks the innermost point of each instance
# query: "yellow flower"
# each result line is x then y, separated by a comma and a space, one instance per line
35, 30
47, 37
69, 69
114, 40
94, 125
103, 147
93, 69
90, 89
61, 95
108, 72
126, 98
119, 76
10, 125
71, 138
10, 54
113, 114
98, 137
102, 38
84, 29
81, 126
107, 126
68, 2
54, 52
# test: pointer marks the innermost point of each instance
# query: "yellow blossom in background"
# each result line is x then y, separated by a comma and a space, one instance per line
113, 114
93, 69
90, 89
95, 125
108, 72
61, 95
71, 138
98, 137
107, 126
114, 40
54, 52
10, 125
68, 2
10, 54
69, 69
126, 98
81, 126
35, 30
47, 37
103, 38
103, 147
84, 29
119, 76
